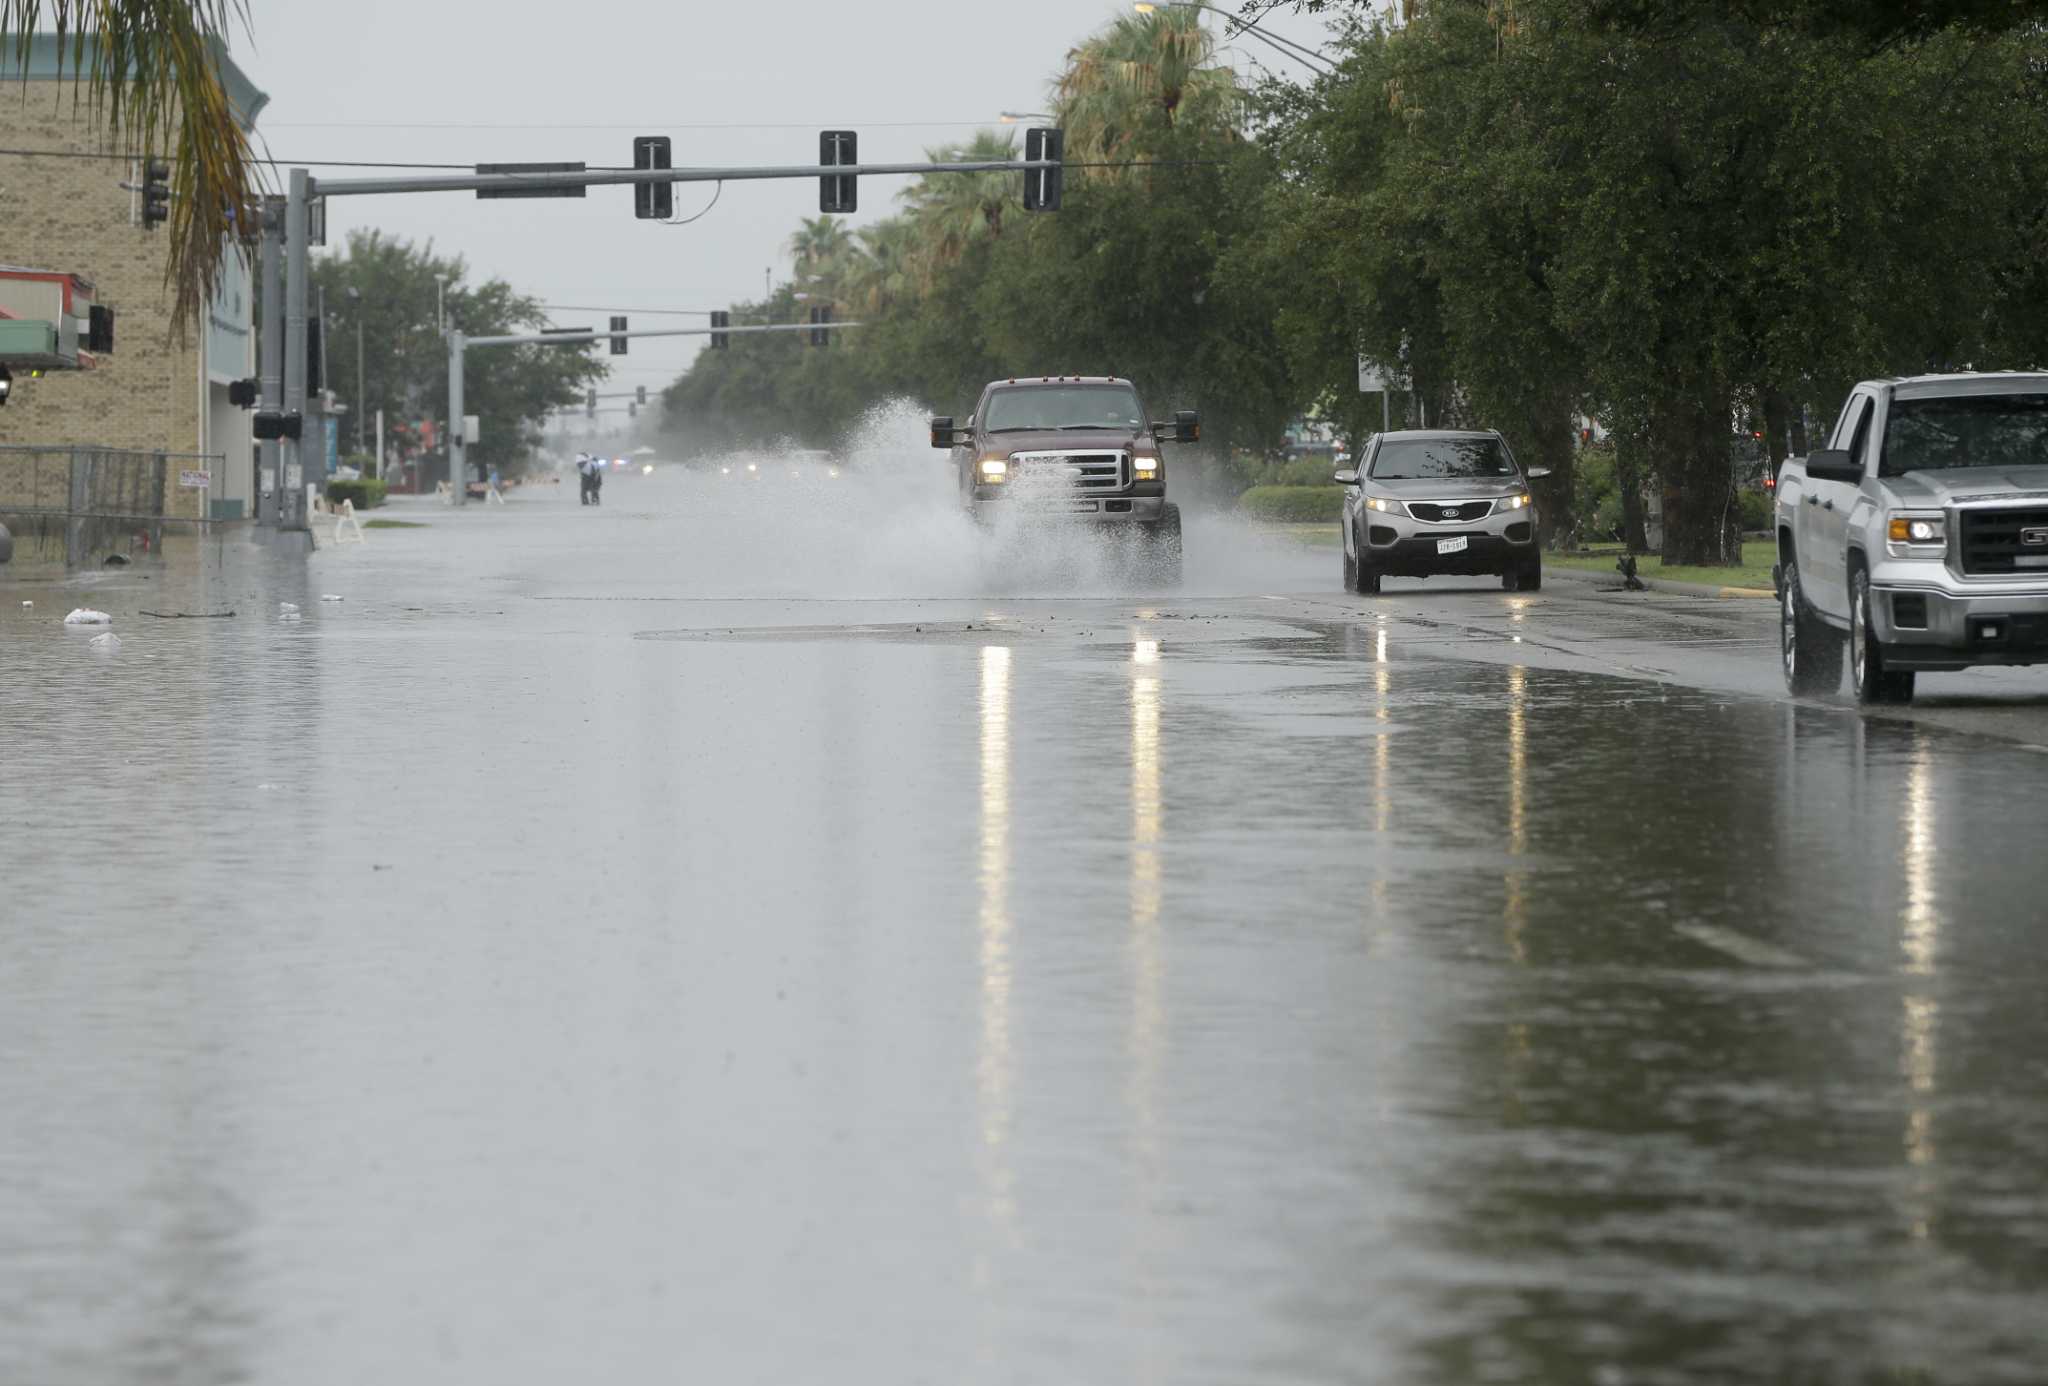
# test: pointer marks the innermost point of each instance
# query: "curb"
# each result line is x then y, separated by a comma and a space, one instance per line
1682, 589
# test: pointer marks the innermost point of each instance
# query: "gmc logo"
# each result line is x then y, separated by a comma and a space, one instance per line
2035, 537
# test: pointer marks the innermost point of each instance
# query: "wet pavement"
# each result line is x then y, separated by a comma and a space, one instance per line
781, 935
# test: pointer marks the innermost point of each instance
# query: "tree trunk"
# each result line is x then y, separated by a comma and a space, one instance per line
1556, 446
1777, 427
1691, 437
1628, 478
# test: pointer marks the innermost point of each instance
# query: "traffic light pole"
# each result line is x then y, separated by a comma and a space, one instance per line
271, 372
303, 188
291, 490
459, 346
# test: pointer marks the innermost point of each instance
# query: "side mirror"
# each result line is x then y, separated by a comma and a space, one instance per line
1537, 473
942, 432
1347, 477
1187, 427
1833, 464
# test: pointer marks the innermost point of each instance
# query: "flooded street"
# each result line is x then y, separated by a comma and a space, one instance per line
742, 934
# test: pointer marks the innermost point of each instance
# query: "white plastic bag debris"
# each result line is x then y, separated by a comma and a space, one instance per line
286, 609
86, 616
26, 605
109, 643
329, 597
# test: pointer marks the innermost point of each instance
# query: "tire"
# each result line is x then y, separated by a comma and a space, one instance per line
1350, 568
1511, 579
1809, 652
1367, 581
1532, 574
1873, 683
1164, 542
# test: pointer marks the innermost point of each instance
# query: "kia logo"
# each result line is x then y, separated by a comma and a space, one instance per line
2036, 537
1450, 512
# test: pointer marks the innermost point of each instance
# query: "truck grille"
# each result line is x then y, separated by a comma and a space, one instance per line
1088, 471
2004, 541
1450, 512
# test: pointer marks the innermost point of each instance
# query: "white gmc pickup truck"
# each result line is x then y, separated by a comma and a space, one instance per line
1920, 532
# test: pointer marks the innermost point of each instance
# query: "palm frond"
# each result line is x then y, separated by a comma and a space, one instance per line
148, 71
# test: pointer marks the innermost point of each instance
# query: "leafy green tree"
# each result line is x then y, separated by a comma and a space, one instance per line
405, 363
1138, 77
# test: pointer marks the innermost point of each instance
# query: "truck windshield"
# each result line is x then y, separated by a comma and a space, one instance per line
1064, 406
1965, 431
1456, 459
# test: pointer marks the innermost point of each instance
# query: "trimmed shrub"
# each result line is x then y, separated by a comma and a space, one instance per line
367, 493
1293, 504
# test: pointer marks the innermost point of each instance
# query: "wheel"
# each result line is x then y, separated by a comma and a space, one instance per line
1164, 543
1867, 675
1350, 571
1810, 652
1531, 576
1366, 580
1511, 579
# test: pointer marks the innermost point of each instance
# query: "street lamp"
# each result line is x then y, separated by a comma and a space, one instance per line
1285, 47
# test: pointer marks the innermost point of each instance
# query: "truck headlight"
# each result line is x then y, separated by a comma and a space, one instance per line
994, 469
1145, 468
1385, 506
1917, 531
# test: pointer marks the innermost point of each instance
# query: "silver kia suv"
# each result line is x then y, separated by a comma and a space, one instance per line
1440, 501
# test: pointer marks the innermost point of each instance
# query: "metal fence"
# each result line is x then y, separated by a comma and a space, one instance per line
83, 503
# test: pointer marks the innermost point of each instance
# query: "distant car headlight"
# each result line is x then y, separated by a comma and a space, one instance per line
1917, 531
994, 469
647, 469
1385, 506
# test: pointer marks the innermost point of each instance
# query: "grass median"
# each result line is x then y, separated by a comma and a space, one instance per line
1755, 570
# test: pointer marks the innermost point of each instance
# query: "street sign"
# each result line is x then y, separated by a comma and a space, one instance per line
552, 190
1374, 377
194, 478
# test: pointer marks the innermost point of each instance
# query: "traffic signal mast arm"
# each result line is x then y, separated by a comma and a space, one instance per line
600, 334
471, 182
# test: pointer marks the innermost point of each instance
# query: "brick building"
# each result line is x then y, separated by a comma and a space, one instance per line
71, 215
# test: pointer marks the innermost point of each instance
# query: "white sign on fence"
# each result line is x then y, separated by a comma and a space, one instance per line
194, 478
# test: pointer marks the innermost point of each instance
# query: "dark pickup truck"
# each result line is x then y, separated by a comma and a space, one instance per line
1079, 447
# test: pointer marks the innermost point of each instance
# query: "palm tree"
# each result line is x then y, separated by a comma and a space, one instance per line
1144, 74
951, 210
818, 243
885, 269
150, 70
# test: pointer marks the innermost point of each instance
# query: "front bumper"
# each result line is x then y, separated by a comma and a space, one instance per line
992, 503
1404, 546
1927, 618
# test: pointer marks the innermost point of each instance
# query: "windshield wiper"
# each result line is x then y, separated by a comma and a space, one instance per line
1105, 427
1015, 428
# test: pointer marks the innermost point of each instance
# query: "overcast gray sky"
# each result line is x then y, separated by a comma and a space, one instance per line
730, 83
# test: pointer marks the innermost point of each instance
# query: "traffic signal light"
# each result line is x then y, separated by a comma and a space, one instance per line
156, 193
641, 398
618, 342
1042, 186
653, 201
819, 336
720, 319
243, 393
632, 410
590, 404
836, 191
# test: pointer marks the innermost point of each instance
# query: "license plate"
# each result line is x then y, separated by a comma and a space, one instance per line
1451, 545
